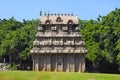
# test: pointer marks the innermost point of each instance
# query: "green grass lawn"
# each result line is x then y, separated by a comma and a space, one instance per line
30, 75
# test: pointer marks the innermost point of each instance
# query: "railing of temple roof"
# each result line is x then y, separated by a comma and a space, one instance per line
55, 14
58, 35
60, 42
64, 28
68, 51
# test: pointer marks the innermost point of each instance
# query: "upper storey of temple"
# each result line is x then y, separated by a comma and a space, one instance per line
59, 19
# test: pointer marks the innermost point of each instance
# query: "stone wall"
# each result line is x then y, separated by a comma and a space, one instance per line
59, 62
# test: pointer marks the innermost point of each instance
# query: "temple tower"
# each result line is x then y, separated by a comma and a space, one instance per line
58, 45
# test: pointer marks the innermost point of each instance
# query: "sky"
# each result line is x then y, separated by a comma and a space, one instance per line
30, 9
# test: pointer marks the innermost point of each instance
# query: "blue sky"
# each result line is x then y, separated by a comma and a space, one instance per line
29, 9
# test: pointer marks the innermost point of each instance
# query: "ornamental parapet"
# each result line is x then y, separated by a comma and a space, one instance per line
38, 43
57, 35
58, 51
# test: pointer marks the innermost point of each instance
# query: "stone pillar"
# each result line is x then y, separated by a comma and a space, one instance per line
71, 61
66, 62
56, 62
44, 59
33, 57
53, 62
62, 62
83, 63
77, 62
59, 62
48, 62
36, 63
41, 62
80, 61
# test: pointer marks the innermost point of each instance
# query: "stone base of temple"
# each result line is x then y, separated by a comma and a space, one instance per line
59, 62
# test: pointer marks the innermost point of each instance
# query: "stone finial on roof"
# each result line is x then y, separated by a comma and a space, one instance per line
48, 14
40, 13
45, 13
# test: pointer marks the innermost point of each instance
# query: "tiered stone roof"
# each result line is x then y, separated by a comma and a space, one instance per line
58, 34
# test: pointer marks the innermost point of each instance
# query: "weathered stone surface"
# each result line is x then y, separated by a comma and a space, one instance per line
58, 45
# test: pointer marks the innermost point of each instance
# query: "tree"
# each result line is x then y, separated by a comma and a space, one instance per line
102, 39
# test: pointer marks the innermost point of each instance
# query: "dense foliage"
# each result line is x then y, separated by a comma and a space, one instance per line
102, 37
16, 38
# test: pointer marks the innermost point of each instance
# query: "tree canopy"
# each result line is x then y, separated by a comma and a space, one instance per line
102, 37
16, 37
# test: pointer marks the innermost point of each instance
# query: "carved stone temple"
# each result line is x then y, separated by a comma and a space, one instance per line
58, 45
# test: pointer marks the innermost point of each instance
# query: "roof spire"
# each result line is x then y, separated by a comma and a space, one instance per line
45, 13
48, 13
48, 16
40, 13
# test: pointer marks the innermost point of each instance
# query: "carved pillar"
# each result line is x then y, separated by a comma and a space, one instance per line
83, 63
48, 62
33, 57
80, 61
56, 62
71, 61
36, 63
66, 62
41, 62
53, 62
59, 62
76, 63
44, 62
